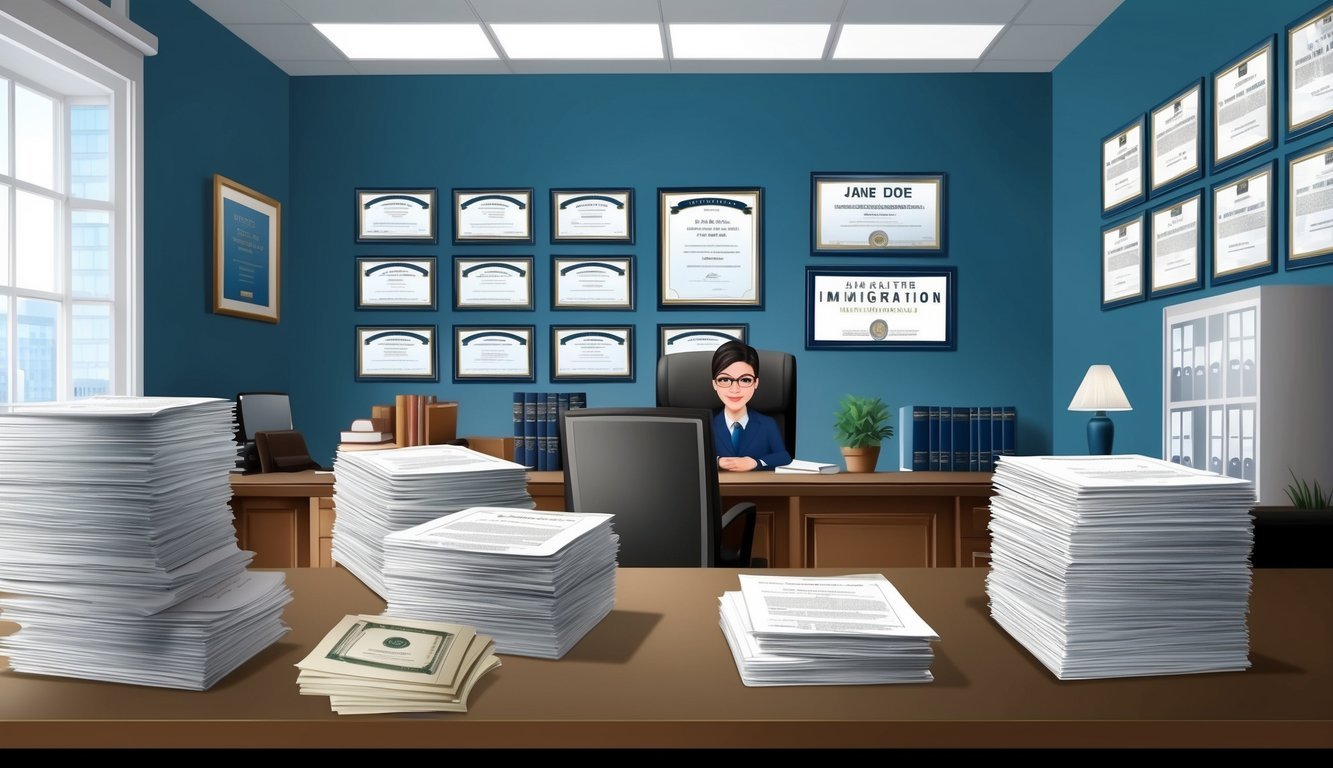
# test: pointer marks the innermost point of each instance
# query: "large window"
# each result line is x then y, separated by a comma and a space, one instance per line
69, 246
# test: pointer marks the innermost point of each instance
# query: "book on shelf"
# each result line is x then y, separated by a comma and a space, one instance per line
536, 426
943, 438
367, 446
354, 436
799, 466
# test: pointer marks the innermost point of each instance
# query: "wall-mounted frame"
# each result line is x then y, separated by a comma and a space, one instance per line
1244, 231
484, 216
1175, 140
1309, 210
1122, 262
879, 214
592, 215
701, 337
247, 252
495, 353
1244, 105
1310, 72
592, 353
500, 282
1175, 235
397, 352
392, 282
881, 308
1123, 167
591, 282
397, 215
710, 247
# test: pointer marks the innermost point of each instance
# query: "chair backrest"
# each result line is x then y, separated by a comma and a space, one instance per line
685, 380
652, 468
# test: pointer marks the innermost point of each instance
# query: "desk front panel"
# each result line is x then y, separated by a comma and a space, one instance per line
658, 673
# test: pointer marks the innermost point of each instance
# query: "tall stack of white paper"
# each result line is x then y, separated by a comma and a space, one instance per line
1117, 566
118, 555
825, 630
379, 492
537, 582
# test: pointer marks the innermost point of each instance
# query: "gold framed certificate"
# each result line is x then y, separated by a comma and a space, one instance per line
1122, 168
592, 353
493, 216
1243, 105
880, 214
396, 215
502, 282
247, 252
710, 247
592, 282
400, 352
592, 215
494, 352
1309, 207
1176, 140
1244, 237
1310, 72
1122, 263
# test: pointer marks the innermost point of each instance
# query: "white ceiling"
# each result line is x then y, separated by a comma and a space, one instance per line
1038, 34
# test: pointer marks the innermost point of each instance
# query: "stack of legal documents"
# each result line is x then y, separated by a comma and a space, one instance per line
535, 581
118, 556
379, 492
825, 630
372, 664
1116, 566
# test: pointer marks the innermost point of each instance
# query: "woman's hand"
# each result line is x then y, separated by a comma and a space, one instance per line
737, 463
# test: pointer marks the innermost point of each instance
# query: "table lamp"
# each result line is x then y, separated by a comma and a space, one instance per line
1100, 392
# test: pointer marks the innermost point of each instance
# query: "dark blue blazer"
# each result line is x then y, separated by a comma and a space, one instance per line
760, 440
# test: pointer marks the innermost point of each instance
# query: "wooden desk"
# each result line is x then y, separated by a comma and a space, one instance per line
657, 673
879, 520
852, 520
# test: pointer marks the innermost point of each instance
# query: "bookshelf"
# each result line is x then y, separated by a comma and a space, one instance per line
1246, 385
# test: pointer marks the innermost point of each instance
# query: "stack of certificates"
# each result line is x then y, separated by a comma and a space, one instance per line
115, 525
825, 630
373, 664
1115, 566
535, 581
379, 492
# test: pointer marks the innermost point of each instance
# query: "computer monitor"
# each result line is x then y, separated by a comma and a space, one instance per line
261, 411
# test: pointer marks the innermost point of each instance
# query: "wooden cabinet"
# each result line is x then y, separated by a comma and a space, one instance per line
285, 518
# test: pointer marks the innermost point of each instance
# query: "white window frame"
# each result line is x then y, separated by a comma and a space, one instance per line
98, 44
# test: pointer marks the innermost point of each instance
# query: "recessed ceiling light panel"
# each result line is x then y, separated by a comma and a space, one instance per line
915, 41
579, 41
409, 41
748, 41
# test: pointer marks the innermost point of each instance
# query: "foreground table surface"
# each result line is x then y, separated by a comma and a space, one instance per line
657, 673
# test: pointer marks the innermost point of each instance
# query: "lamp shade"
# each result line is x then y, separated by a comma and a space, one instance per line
1100, 391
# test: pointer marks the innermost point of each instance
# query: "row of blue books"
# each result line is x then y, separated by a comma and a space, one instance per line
943, 438
537, 426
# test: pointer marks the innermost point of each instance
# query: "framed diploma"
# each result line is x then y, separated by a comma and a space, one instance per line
1176, 140
399, 352
1122, 263
1310, 207
1310, 72
388, 282
673, 338
404, 215
1122, 168
589, 282
503, 282
881, 307
710, 248
1175, 233
492, 216
879, 214
592, 215
494, 353
1243, 106
1243, 231
601, 353
247, 230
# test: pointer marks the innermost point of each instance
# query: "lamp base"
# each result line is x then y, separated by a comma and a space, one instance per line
1100, 434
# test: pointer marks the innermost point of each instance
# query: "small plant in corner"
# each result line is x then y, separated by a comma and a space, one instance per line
861, 422
1305, 496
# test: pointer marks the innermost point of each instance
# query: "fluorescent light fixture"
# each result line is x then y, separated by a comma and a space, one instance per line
748, 41
409, 41
915, 41
579, 41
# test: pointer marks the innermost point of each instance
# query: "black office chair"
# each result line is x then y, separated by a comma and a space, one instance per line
655, 470
685, 380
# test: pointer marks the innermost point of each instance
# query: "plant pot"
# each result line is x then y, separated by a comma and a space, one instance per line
860, 459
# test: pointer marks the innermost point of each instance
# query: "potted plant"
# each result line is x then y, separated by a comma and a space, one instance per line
859, 425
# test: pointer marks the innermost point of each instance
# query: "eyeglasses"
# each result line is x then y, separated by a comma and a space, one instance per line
725, 382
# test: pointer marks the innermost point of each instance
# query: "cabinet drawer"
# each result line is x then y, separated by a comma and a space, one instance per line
974, 519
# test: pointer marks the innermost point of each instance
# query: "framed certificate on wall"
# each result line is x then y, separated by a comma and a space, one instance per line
398, 352
1122, 263
1244, 235
1122, 168
492, 216
396, 215
880, 214
592, 215
1243, 105
592, 282
1176, 140
247, 232
1175, 233
494, 352
1310, 207
700, 337
592, 353
710, 248
1310, 72
502, 282
881, 308
391, 282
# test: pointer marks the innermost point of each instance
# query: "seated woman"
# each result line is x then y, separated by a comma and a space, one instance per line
744, 439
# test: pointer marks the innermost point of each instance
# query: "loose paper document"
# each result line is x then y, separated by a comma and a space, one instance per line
503, 530
800, 466
862, 604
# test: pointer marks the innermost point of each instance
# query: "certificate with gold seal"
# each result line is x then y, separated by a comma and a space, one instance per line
877, 213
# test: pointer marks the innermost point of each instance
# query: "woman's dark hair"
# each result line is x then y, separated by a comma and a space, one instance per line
735, 352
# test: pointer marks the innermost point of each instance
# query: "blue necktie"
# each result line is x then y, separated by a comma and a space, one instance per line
736, 437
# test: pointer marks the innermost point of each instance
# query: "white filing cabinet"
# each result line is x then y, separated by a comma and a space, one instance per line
1247, 386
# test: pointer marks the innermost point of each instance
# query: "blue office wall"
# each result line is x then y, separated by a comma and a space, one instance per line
989, 133
1143, 53
212, 104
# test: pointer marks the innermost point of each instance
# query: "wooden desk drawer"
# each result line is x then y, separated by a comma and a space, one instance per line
326, 517
975, 518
